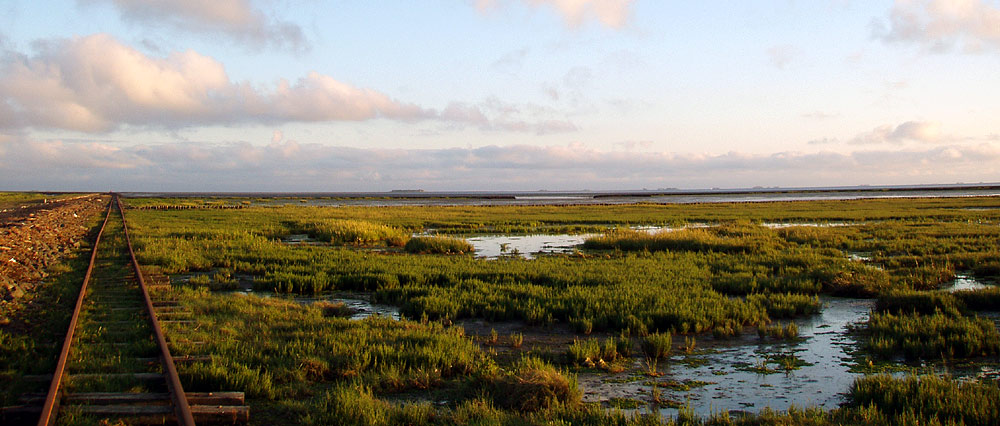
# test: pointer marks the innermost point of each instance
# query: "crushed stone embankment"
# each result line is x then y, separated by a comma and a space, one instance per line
33, 241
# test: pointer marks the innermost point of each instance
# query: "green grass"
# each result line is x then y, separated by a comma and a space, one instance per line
874, 400
736, 273
438, 245
347, 231
656, 346
294, 345
987, 299
778, 271
596, 218
777, 331
919, 302
934, 336
591, 352
931, 325
914, 400
534, 385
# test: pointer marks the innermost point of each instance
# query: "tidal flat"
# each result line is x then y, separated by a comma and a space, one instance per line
711, 313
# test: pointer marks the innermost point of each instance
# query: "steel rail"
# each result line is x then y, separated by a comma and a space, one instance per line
51, 406
181, 407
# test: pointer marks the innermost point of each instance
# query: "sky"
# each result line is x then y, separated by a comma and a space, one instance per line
496, 95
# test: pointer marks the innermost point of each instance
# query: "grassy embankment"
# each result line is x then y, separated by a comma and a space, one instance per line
15, 199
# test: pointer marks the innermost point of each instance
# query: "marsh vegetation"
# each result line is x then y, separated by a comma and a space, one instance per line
729, 300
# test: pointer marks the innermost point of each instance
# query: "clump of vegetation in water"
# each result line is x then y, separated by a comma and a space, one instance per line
787, 305
347, 231
777, 331
932, 336
919, 303
928, 399
657, 345
295, 346
535, 385
930, 324
986, 299
593, 353
438, 245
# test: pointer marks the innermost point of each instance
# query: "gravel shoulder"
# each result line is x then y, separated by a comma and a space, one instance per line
37, 236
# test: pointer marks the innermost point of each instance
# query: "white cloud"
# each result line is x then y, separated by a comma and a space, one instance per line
289, 166
495, 115
610, 13
96, 84
238, 19
916, 131
941, 25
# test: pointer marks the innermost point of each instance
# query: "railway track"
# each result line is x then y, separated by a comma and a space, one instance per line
115, 361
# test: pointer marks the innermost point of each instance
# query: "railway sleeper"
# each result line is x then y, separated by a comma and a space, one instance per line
172, 308
138, 414
137, 376
177, 359
194, 398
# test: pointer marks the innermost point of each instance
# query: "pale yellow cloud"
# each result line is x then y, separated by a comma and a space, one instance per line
238, 19
96, 84
290, 166
910, 131
941, 25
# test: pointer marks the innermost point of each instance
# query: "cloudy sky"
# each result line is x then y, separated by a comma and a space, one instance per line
356, 95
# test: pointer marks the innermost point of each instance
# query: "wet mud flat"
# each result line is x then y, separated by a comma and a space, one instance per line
747, 373
529, 246
360, 304
741, 374
718, 375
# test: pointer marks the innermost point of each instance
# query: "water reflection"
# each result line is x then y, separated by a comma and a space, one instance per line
965, 282
525, 246
727, 382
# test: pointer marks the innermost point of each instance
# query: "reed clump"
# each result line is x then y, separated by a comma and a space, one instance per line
656, 345
787, 305
535, 385
777, 331
930, 336
902, 302
357, 232
986, 299
924, 399
594, 353
438, 245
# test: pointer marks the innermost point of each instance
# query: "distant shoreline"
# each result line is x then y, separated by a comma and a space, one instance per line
564, 194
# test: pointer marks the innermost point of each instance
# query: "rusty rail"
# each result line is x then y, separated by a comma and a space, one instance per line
51, 406
182, 409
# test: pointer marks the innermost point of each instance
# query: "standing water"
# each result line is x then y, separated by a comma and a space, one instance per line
729, 375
